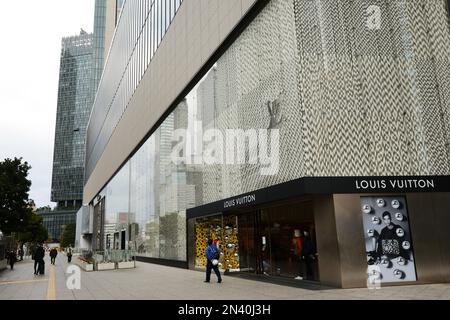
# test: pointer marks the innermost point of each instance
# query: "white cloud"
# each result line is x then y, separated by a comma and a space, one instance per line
31, 33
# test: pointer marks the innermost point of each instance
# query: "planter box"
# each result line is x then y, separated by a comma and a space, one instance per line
106, 266
88, 267
84, 265
126, 265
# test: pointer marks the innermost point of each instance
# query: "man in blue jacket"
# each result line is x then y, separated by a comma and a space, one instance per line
212, 253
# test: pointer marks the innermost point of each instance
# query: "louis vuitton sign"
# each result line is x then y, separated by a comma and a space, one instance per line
395, 184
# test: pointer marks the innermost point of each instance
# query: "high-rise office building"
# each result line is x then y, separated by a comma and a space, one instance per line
75, 98
82, 62
349, 105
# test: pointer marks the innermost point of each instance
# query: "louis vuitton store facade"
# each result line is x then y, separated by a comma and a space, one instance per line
300, 90
385, 234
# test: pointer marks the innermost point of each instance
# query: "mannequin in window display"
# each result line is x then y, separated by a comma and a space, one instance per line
390, 241
265, 262
265, 257
296, 251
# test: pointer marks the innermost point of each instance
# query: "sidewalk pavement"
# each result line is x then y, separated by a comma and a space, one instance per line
155, 282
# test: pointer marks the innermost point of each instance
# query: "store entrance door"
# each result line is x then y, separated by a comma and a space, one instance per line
250, 258
279, 241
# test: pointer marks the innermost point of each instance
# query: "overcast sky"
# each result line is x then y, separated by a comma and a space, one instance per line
30, 34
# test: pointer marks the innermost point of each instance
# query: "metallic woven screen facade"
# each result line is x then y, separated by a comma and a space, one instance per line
361, 89
373, 81
141, 27
74, 106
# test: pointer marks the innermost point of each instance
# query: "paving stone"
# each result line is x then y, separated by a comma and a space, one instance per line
155, 282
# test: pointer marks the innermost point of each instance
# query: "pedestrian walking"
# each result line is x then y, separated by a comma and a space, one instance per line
53, 254
69, 254
12, 258
38, 257
21, 254
212, 257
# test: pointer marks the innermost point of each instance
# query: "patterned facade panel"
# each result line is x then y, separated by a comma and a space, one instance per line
389, 104
260, 70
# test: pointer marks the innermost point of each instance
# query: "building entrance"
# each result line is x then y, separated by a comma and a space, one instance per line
279, 241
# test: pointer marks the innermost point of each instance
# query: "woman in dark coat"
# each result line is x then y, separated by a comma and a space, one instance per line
53, 254
12, 258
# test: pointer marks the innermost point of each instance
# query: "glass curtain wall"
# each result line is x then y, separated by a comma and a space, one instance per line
141, 26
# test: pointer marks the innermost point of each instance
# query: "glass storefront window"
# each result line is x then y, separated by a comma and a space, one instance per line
279, 241
205, 229
224, 233
274, 241
117, 214
291, 235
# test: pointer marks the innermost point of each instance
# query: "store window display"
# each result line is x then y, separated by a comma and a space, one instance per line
297, 244
223, 231
290, 234
297, 248
304, 250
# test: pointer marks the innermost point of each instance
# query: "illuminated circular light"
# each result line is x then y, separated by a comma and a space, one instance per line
366, 209
376, 220
401, 261
381, 203
395, 204
399, 216
370, 232
406, 245
400, 232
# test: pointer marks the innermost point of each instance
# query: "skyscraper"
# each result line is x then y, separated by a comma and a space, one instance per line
75, 98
